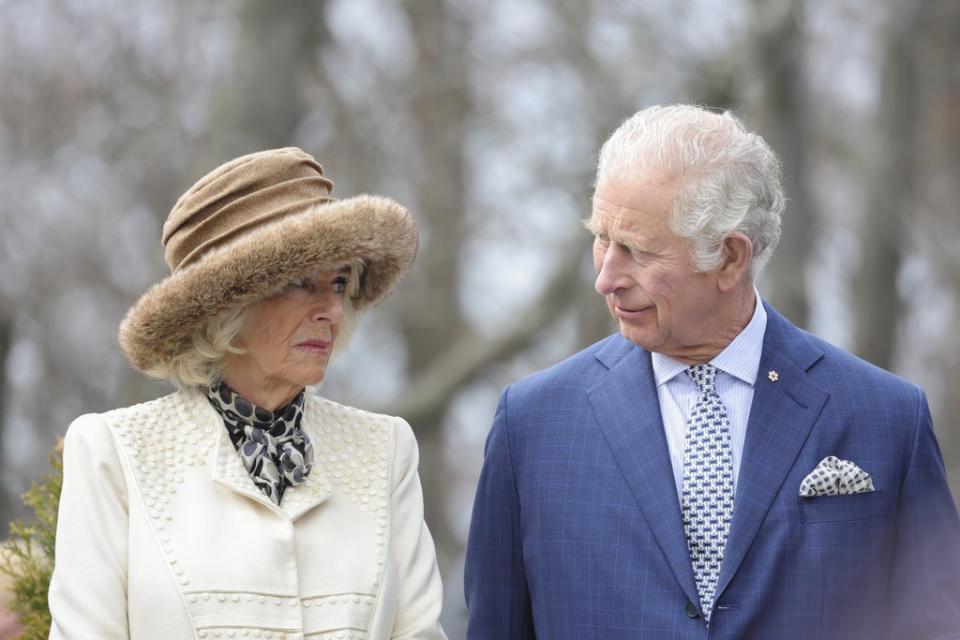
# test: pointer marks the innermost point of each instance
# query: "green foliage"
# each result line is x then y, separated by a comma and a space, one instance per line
27, 557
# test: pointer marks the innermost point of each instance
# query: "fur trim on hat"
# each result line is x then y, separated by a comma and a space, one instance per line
375, 230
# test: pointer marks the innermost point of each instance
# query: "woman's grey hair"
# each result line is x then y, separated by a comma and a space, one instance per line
730, 178
200, 365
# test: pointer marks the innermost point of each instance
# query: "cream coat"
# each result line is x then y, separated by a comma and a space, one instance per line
162, 534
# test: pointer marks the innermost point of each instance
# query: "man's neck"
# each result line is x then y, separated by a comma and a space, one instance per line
737, 316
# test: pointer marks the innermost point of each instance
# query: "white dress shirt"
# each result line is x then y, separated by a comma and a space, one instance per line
737, 365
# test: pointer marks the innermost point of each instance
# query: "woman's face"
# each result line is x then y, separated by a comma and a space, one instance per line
288, 339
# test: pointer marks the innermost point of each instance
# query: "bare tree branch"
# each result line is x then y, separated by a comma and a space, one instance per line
470, 354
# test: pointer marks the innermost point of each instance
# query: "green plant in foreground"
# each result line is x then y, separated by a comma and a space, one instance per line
27, 555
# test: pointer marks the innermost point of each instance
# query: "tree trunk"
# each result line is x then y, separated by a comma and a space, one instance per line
782, 117
936, 194
260, 103
429, 311
6, 340
877, 302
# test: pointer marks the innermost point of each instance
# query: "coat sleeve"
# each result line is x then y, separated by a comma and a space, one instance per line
495, 586
419, 593
925, 585
88, 594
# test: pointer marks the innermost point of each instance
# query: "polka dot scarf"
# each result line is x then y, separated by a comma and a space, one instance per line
275, 451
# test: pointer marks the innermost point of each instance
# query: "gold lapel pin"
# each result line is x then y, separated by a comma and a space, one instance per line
773, 376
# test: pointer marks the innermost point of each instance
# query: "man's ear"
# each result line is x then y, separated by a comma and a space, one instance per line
737, 254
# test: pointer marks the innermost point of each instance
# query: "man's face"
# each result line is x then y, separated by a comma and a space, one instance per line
645, 273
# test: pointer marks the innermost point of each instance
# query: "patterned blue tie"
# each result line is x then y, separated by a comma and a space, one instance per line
707, 496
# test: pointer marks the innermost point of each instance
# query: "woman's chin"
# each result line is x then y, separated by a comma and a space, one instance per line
314, 378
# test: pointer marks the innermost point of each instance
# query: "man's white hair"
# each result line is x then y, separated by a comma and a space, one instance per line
729, 177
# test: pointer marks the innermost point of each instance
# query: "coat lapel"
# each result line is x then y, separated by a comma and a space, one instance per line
229, 472
783, 412
627, 408
300, 499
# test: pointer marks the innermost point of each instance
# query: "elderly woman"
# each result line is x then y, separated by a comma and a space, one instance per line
242, 505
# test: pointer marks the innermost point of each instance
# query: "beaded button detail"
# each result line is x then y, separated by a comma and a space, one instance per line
159, 463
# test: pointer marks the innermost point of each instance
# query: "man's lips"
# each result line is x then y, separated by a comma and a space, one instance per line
628, 313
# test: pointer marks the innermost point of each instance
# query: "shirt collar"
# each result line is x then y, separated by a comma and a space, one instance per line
740, 358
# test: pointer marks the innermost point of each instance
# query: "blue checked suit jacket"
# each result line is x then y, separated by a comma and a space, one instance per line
576, 530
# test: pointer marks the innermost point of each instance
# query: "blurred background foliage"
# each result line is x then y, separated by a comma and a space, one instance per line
484, 118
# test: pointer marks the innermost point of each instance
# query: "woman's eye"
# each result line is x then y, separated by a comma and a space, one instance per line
340, 285
302, 283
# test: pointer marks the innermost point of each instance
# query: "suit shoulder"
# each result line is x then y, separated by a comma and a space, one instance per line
577, 372
845, 369
833, 367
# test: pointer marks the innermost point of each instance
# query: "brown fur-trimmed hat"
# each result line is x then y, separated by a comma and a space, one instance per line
246, 229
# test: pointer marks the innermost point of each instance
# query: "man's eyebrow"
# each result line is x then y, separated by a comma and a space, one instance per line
590, 224
611, 205
614, 235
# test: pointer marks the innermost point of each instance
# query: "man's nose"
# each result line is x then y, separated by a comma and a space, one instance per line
610, 265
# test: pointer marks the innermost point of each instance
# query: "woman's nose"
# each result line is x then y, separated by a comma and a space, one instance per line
328, 307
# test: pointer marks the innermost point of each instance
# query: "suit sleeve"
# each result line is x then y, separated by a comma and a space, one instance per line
420, 593
495, 586
88, 589
925, 586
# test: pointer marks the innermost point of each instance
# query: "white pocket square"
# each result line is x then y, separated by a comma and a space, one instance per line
835, 477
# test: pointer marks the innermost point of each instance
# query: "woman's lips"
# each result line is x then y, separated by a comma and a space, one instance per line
317, 346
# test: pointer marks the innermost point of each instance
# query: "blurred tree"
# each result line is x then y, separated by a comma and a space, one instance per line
933, 221
884, 232
484, 118
773, 87
260, 100
439, 104
6, 338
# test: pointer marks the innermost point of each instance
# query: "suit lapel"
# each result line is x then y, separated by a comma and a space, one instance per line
783, 412
628, 411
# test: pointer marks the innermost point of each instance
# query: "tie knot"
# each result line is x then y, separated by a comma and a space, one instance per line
704, 375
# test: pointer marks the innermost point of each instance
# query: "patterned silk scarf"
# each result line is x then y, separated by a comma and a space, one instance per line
273, 447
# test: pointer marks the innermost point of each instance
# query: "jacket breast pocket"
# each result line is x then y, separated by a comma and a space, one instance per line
858, 506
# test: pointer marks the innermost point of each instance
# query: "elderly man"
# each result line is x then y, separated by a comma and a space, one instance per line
710, 470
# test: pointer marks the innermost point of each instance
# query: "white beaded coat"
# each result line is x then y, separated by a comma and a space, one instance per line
163, 535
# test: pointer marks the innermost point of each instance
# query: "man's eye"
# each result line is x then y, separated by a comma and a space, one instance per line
340, 284
602, 238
